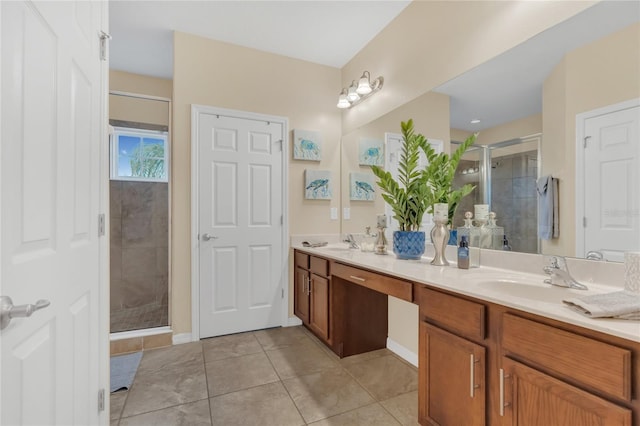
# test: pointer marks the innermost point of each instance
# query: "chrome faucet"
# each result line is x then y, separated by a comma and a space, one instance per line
560, 275
351, 241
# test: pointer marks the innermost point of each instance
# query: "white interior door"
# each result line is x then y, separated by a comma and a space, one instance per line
611, 189
50, 160
392, 153
240, 223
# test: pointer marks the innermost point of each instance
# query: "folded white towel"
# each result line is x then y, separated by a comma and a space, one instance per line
619, 304
312, 243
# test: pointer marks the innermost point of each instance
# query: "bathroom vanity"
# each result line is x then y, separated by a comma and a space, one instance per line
495, 347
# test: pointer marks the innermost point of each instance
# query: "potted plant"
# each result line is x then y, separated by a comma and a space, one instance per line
441, 172
417, 190
409, 197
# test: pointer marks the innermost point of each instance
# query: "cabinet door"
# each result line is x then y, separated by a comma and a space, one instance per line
452, 379
319, 313
532, 398
301, 295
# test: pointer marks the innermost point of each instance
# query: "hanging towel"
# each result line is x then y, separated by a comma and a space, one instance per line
546, 207
556, 204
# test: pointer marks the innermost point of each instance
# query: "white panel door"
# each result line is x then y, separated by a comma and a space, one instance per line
51, 136
612, 183
392, 152
240, 223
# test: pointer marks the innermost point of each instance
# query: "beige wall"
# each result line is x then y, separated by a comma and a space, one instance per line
214, 73
602, 73
513, 130
135, 109
431, 42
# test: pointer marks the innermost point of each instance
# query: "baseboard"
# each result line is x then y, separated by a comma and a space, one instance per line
402, 352
181, 338
293, 321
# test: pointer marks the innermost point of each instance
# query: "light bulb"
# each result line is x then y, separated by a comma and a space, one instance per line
364, 86
343, 102
352, 95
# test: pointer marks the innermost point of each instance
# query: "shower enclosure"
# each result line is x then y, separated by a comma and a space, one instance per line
505, 177
139, 212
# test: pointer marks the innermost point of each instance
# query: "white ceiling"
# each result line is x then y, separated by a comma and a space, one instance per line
324, 32
509, 87
327, 32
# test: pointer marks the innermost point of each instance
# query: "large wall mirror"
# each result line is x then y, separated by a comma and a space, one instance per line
532, 102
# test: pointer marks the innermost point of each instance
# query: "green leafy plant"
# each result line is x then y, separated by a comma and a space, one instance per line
417, 190
409, 197
441, 173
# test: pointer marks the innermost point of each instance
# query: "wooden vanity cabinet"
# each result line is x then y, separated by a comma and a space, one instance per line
531, 397
525, 369
301, 286
452, 360
451, 379
554, 376
312, 293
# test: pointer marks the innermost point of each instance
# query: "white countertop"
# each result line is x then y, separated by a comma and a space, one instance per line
507, 287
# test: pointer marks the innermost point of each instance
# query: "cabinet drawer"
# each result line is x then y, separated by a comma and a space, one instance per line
453, 313
600, 365
380, 283
302, 260
320, 266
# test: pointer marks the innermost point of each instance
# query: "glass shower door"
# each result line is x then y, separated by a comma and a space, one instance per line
514, 171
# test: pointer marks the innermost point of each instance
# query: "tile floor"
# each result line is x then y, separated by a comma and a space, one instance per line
275, 377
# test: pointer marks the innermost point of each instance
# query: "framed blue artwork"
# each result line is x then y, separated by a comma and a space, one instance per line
307, 145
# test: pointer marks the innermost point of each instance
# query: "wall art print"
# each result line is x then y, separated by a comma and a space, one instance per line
307, 145
371, 152
362, 187
317, 184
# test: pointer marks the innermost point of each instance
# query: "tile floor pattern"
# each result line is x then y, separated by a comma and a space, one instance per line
274, 377
140, 317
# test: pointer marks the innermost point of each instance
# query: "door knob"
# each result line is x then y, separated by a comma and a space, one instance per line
9, 311
207, 237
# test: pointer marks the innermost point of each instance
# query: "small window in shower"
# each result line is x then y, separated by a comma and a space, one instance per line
140, 155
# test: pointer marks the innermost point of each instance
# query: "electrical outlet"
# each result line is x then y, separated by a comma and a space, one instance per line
334, 213
346, 213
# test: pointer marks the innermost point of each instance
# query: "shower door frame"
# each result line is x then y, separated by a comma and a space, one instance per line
142, 332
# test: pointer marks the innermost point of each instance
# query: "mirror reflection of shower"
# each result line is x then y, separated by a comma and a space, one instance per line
505, 175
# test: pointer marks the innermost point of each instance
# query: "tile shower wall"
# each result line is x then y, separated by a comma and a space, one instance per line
514, 199
139, 255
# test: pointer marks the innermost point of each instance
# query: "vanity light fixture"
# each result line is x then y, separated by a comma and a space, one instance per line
352, 92
358, 93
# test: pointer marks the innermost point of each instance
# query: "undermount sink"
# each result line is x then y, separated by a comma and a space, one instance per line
530, 291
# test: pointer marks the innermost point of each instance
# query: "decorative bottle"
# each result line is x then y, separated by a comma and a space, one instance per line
463, 253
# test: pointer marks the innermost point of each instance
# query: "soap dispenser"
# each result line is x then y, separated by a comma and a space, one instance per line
463, 253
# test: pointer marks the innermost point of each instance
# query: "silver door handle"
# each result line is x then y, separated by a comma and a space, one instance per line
9, 311
207, 237
472, 374
502, 402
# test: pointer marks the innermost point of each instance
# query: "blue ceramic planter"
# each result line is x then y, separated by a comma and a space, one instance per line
408, 244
